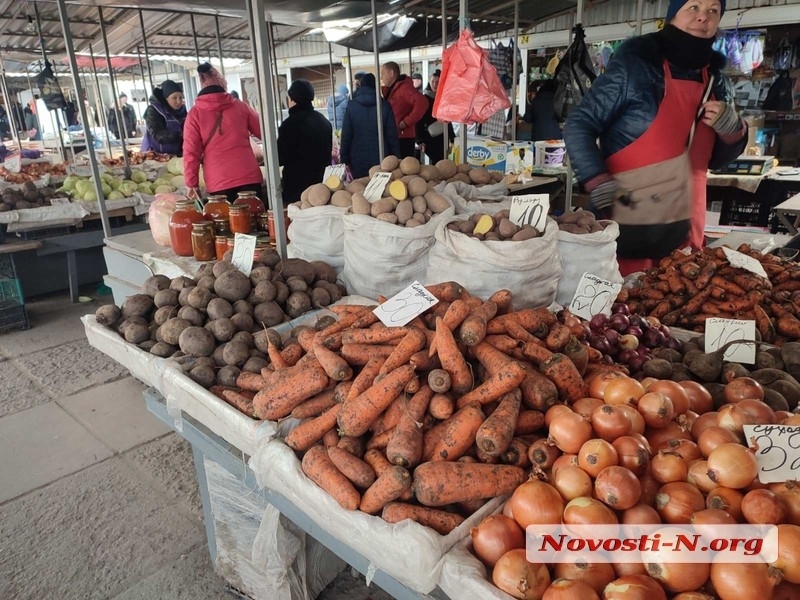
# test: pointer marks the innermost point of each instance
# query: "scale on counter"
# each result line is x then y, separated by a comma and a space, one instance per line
748, 165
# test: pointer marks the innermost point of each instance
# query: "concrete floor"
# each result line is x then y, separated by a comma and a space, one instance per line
98, 499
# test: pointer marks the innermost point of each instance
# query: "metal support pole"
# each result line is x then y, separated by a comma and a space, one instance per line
378, 95
10, 108
349, 73
146, 51
639, 16
73, 65
568, 183
113, 81
276, 86
268, 129
446, 136
333, 87
44, 60
219, 45
102, 116
462, 25
410, 63
194, 37
515, 75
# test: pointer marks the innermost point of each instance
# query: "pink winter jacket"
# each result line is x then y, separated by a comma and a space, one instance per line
227, 157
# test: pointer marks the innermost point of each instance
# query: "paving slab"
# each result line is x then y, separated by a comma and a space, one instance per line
40, 445
17, 390
70, 368
90, 536
169, 464
116, 414
350, 585
47, 331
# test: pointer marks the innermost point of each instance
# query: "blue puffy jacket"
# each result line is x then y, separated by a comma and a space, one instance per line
359, 146
624, 101
337, 104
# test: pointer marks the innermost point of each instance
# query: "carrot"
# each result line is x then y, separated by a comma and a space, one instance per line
341, 391
405, 447
292, 353
692, 307
384, 335
453, 317
388, 487
335, 366
287, 388
558, 337
413, 342
538, 392
360, 354
459, 433
319, 468
496, 432
503, 299
380, 440
473, 329
370, 318
595, 355
441, 406
535, 320
442, 522
276, 359
536, 353
352, 467
529, 421
517, 454
331, 342
356, 319
729, 286
422, 361
764, 324
504, 343
305, 337
441, 483
354, 446
310, 432
577, 353
788, 326
661, 310
412, 387
569, 382
690, 270
235, 398
251, 381
340, 309
447, 291
674, 280
365, 378
452, 360
331, 438
377, 460
391, 416
315, 406
501, 382
359, 413
439, 381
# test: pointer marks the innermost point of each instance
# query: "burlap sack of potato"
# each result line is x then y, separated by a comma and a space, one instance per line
317, 233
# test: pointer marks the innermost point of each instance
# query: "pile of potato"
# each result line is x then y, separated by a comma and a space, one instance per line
28, 196
214, 325
494, 228
580, 222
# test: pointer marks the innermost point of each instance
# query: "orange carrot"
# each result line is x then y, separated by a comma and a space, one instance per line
341, 391
503, 343
517, 454
503, 299
315, 406
292, 353
389, 486
441, 483
384, 335
473, 329
310, 432
391, 416
351, 319
455, 315
529, 421
405, 447
412, 387
536, 353
360, 354
496, 432
459, 433
558, 337
447, 291
441, 406
331, 438
538, 392
413, 342
764, 324
354, 446
500, 383
491, 359
439, 381
359, 413
235, 398
276, 359
365, 378
331, 342
569, 382
516, 331
305, 337
422, 361
577, 353
335, 366
251, 381
340, 309
352, 467
452, 360
442, 522
370, 318
319, 468
288, 388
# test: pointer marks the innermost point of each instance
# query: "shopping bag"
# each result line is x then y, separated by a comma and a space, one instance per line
574, 74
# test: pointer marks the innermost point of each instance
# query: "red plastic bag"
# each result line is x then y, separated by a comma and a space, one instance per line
470, 90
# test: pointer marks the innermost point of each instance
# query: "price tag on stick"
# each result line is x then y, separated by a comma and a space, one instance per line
530, 210
403, 307
777, 449
594, 296
244, 247
339, 170
723, 331
376, 185
13, 163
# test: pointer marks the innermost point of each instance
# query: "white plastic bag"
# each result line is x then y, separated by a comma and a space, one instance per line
317, 233
469, 199
594, 253
161, 210
381, 258
529, 269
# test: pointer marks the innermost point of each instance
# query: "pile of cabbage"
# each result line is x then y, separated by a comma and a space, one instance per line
116, 188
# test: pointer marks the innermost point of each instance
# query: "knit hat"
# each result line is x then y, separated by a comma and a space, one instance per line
169, 87
210, 76
676, 5
416, 76
368, 81
123, 95
301, 91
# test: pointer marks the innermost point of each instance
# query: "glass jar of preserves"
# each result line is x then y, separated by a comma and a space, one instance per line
203, 241
240, 218
231, 242
222, 227
221, 246
251, 199
216, 208
180, 227
263, 222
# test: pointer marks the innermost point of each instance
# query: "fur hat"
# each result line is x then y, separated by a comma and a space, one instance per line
301, 91
169, 87
210, 76
676, 5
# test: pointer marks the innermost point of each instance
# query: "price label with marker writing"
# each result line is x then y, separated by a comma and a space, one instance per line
59, 201
244, 247
339, 170
777, 451
530, 210
723, 331
82, 170
594, 296
742, 261
376, 185
13, 163
403, 307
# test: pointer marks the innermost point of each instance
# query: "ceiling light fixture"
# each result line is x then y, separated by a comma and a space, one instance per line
31, 26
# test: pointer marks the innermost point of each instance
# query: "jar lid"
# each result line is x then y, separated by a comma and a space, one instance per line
201, 225
236, 208
184, 203
247, 193
221, 221
217, 198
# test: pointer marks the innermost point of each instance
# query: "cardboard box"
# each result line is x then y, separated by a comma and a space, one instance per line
483, 152
519, 157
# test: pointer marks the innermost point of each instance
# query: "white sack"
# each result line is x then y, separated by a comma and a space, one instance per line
470, 199
317, 233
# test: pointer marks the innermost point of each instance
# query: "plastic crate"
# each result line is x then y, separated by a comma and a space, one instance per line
13, 318
10, 292
744, 213
38, 234
7, 270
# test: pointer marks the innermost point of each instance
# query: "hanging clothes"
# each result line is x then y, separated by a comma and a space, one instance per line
752, 53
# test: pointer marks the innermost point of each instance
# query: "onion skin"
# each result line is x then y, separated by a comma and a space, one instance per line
712, 516
668, 466
595, 455
641, 514
514, 575
726, 499
610, 423
634, 587
570, 589
656, 409
715, 436
597, 574
700, 400
743, 388
496, 535
788, 562
732, 465
789, 492
763, 507
572, 482
536, 503
632, 454
617, 487
676, 394
703, 422
676, 502
744, 581
588, 511
569, 431
679, 577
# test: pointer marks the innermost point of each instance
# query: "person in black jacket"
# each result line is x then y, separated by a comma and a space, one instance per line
541, 113
430, 132
128, 115
305, 142
359, 146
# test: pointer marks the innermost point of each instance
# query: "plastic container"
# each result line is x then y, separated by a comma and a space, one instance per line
217, 207
241, 219
550, 153
180, 227
203, 247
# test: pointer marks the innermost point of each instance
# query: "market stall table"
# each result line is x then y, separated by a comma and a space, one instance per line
790, 207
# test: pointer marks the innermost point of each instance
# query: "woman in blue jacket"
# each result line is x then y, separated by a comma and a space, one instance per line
642, 111
359, 146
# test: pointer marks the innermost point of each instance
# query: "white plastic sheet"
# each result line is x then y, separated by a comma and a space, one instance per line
594, 253
317, 233
73, 210
407, 551
464, 576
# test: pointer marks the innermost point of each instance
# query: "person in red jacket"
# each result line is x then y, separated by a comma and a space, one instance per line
408, 104
217, 135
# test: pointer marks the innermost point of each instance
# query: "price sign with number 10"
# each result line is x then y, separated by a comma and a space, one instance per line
530, 210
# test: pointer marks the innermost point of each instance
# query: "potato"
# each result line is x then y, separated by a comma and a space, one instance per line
304, 204
235, 353
361, 205
244, 337
163, 349
297, 266
206, 281
207, 268
260, 273
125, 323
417, 186
165, 313
243, 321
480, 176
390, 163
191, 314
436, 202
464, 168
429, 173
507, 229
166, 297
232, 286
242, 306
137, 305
108, 315
183, 296
398, 190
493, 236
203, 376
260, 339
263, 292
304, 197
196, 341
181, 282
296, 284
320, 297
404, 211
199, 297
323, 271
171, 330
388, 217
222, 329
147, 345
497, 176
136, 333
227, 375
297, 303
382, 206
219, 308
420, 217
283, 292
526, 233
355, 187
373, 170
319, 194
268, 313
333, 290
446, 168
254, 365
462, 177
154, 284
269, 257
333, 183
341, 198
410, 165
484, 225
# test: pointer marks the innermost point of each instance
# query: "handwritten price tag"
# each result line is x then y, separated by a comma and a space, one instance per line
777, 451
58, 201
403, 307
742, 261
13, 163
81, 170
376, 185
530, 210
594, 296
722, 331
244, 247
339, 170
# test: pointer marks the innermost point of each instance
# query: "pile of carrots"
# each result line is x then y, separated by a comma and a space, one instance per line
427, 421
686, 289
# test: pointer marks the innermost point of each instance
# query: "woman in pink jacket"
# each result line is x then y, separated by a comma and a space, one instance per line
217, 135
